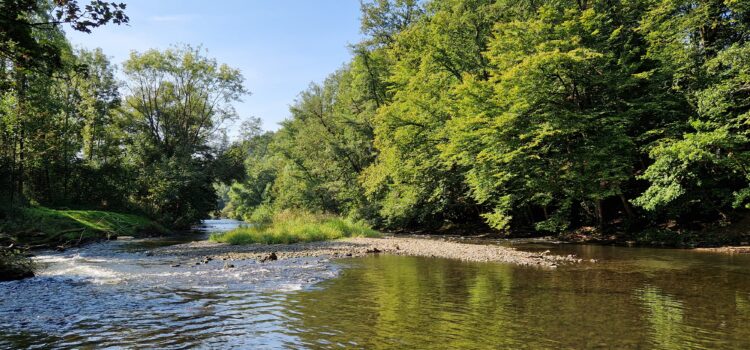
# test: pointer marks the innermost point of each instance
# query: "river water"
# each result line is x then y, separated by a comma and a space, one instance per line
116, 295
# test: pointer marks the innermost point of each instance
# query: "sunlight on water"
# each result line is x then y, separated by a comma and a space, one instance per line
115, 294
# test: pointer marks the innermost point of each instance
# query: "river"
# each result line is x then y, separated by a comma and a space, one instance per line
116, 295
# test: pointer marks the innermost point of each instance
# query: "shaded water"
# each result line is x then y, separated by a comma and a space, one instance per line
631, 298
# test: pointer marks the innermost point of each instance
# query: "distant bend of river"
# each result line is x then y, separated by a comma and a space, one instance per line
115, 295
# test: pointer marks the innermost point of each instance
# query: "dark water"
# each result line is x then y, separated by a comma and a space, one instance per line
631, 298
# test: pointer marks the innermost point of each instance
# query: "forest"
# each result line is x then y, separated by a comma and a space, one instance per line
523, 117
526, 116
74, 136
465, 174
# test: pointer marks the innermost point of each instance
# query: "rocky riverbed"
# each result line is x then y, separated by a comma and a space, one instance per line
205, 251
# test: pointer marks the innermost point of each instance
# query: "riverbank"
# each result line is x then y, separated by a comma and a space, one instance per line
91, 294
29, 228
355, 247
40, 227
726, 250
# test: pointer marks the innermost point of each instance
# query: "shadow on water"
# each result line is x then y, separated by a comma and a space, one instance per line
631, 298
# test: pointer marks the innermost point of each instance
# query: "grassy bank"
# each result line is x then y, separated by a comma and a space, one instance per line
292, 227
39, 226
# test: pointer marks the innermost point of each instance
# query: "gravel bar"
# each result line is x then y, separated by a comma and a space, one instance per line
356, 247
726, 250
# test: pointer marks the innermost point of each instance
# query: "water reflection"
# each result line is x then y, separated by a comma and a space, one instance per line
629, 299
399, 302
665, 316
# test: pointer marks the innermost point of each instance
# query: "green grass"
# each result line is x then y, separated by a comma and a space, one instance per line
40, 225
292, 227
37, 227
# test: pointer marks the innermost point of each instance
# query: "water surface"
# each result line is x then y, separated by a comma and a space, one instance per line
116, 295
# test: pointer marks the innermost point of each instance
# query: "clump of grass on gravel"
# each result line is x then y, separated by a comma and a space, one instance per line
292, 227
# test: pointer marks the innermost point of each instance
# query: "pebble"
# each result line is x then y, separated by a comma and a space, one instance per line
352, 247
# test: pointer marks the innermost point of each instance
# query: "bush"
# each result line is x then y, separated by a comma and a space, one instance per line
291, 227
262, 215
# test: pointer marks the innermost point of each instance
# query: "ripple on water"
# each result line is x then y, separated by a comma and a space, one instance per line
103, 296
75, 313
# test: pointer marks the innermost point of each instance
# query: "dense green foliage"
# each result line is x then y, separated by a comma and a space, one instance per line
292, 227
73, 136
44, 226
539, 116
529, 115
177, 99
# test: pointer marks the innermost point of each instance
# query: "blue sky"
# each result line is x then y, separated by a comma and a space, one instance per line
281, 46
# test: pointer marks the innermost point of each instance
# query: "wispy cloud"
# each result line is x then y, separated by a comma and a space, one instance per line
172, 18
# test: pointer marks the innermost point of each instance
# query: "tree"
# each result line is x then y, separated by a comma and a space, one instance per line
177, 101
541, 116
324, 147
34, 55
700, 166
382, 20
410, 179
22, 20
547, 133
255, 190
179, 98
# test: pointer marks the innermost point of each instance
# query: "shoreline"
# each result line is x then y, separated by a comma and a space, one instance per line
725, 249
358, 247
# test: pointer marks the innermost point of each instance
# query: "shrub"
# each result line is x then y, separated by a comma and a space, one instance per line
292, 226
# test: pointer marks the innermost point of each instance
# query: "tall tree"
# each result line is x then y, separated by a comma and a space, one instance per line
177, 102
700, 166
546, 136
33, 51
410, 179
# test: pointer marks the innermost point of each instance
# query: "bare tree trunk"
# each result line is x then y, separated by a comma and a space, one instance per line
13, 169
21, 161
21, 100
600, 213
626, 205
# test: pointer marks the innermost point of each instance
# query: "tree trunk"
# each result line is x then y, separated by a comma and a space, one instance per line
600, 213
626, 205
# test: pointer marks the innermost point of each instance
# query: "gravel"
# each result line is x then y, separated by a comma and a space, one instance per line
357, 247
726, 250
